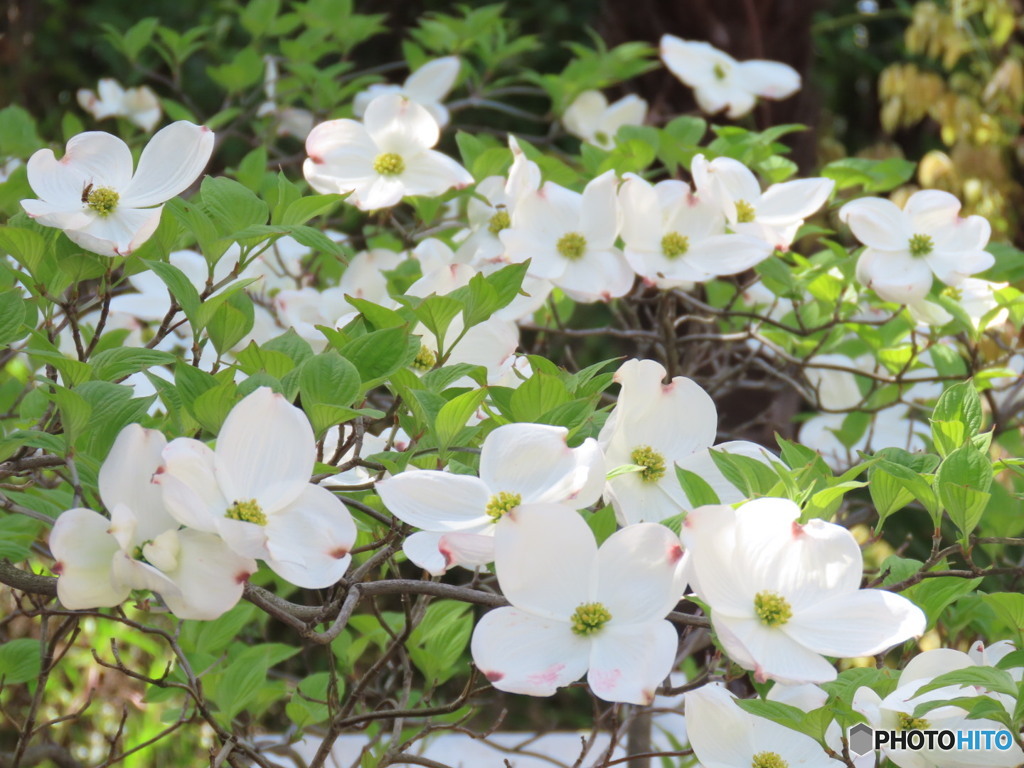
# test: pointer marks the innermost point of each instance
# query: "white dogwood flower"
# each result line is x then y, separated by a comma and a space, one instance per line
92, 194
723, 735
139, 105
658, 427
797, 596
673, 237
427, 86
720, 82
383, 159
897, 712
570, 239
577, 608
906, 248
590, 117
519, 464
253, 490
100, 560
774, 215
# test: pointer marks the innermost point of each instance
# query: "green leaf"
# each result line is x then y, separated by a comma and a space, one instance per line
213, 406
13, 310
232, 205
696, 488
436, 644
811, 723
329, 378
957, 417
963, 480
995, 680
936, 594
305, 208
436, 313
180, 287
117, 363
20, 660
454, 414
378, 354
231, 321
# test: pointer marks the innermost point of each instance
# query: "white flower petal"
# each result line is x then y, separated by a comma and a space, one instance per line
894, 275
775, 655
470, 550
540, 545
434, 80
437, 501
189, 484
309, 541
637, 573
398, 124
791, 201
862, 623
520, 652
432, 173
265, 451
84, 551
877, 223
126, 477
599, 212
719, 730
534, 461
423, 549
172, 160
628, 662
210, 577
768, 79
118, 234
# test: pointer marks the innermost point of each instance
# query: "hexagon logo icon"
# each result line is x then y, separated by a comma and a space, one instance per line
861, 739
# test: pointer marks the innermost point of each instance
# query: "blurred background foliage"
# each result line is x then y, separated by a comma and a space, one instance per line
941, 82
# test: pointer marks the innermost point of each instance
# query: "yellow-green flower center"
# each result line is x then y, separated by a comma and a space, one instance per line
768, 760
719, 71
956, 294
921, 245
772, 609
499, 221
502, 503
102, 200
426, 358
674, 245
911, 723
389, 164
589, 618
744, 212
246, 511
653, 463
572, 245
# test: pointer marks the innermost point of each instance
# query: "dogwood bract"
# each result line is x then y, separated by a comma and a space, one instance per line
577, 608
382, 159
427, 86
897, 712
519, 464
774, 215
725, 736
592, 119
139, 105
720, 82
673, 237
658, 427
797, 596
101, 560
570, 239
905, 248
92, 194
254, 491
